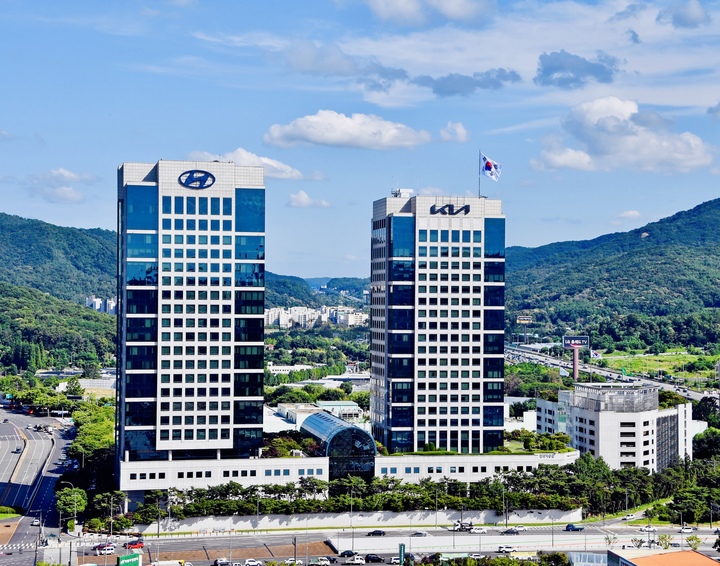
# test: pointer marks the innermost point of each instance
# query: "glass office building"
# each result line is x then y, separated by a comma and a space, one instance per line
437, 322
191, 253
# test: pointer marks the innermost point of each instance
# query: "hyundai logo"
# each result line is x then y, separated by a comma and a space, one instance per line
196, 179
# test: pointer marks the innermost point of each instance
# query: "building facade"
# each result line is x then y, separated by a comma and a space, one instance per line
621, 423
437, 322
191, 253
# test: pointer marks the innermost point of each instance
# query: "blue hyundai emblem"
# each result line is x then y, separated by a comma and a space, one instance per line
196, 179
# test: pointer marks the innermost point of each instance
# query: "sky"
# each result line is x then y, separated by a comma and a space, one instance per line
604, 114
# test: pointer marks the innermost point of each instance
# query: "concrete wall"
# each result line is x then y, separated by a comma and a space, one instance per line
361, 520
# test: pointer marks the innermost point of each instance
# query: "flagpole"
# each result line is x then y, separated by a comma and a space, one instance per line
480, 166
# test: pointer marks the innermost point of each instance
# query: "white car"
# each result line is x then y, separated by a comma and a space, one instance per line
252, 562
506, 548
106, 550
293, 562
35, 523
357, 559
478, 531
477, 556
648, 529
520, 528
629, 517
395, 560
686, 530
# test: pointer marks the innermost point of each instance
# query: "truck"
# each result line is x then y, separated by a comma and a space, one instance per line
572, 527
462, 526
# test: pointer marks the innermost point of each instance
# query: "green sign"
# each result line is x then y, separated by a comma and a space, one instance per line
129, 560
402, 553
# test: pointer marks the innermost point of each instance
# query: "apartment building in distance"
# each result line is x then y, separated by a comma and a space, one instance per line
437, 322
191, 251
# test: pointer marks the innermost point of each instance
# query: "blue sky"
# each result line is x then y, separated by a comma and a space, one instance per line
604, 114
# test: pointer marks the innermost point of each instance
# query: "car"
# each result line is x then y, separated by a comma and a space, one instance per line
374, 558
572, 527
35, 523
629, 517
686, 530
134, 544
510, 531
376, 533
18, 450
419, 534
357, 559
321, 560
506, 549
330, 559
103, 546
347, 553
293, 562
648, 529
717, 531
477, 556
521, 528
6, 420
478, 531
107, 550
252, 562
29, 426
395, 560
221, 562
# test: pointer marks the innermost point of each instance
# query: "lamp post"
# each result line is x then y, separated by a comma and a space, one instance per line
83, 455
436, 511
552, 531
352, 528
626, 501
504, 507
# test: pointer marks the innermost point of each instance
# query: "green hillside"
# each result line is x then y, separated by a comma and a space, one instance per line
68, 263
669, 267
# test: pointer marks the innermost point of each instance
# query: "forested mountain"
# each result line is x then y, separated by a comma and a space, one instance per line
669, 267
72, 263
66, 332
68, 263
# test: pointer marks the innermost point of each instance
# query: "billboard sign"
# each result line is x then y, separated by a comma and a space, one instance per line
524, 319
129, 560
570, 342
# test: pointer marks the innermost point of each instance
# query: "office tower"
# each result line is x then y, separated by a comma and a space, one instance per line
191, 253
437, 320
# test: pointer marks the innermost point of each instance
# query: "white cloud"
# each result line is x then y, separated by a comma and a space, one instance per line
404, 11
689, 14
326, 59
4, 135
454, 132
302, 200
272, 168
55, 185
418, 11
60, 195
334, 129
613, 134
629, 215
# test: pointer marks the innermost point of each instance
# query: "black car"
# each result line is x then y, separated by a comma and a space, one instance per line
347, 553
376, 533
374, 558
511, 531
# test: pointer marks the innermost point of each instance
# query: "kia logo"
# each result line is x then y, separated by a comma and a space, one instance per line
196, 179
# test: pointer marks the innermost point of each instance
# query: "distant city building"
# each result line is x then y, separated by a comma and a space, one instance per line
191, 250
621, 423
437, 322
108, 306
306, 317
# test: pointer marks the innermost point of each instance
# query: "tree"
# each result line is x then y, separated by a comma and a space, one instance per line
693, 541
70, 501
707, 444
665, 541
74, 387
347, 387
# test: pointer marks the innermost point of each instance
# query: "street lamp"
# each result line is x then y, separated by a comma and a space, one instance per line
352, 528
436, 512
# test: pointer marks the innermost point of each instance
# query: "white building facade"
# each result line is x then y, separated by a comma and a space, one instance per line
620, 423
191, 249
